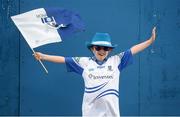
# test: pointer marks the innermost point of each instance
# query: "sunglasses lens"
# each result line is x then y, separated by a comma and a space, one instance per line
106, 49
98, 48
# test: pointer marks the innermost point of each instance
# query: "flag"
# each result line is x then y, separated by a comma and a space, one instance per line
47, 25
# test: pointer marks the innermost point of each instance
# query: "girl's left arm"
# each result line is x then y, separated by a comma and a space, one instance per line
139, 47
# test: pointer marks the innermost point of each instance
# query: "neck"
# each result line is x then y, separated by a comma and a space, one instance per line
100, 62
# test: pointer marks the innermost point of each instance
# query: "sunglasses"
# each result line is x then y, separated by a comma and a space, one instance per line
98, 48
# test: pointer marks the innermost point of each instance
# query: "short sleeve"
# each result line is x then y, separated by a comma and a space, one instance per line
76, 64
126, 59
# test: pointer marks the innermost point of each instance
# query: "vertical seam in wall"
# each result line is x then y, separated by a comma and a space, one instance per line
139, 60
19, 68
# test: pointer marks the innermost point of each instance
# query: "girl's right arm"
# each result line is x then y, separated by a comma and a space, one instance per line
51, 58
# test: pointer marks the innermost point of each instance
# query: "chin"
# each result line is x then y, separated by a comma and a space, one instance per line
101, 58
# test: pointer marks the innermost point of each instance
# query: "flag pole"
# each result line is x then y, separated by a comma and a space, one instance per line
41, 62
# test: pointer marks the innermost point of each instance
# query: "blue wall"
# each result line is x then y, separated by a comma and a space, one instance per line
9, 59
148, 87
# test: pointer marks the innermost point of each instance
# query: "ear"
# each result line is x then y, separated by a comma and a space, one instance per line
92, 48
110, 49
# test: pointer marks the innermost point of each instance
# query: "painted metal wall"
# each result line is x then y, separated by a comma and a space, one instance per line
148, 87
9, 59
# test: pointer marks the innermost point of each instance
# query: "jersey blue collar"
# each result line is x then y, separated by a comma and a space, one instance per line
98, 61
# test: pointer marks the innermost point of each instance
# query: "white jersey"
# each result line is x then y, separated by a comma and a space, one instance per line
101, 94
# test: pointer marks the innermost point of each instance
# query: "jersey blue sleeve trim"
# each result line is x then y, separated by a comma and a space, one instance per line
72, 66
126, 60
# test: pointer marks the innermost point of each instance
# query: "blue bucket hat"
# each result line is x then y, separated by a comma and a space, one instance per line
100, 39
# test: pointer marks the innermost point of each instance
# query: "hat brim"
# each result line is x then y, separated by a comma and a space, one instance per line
89, 45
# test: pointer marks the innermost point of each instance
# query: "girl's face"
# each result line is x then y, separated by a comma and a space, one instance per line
101, 52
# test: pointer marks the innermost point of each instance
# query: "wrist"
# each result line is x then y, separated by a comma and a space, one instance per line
152, 39
43, 57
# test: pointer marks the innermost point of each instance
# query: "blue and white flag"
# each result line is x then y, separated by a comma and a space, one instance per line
47, 25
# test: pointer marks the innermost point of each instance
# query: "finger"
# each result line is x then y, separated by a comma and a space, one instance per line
154, 29
36, 56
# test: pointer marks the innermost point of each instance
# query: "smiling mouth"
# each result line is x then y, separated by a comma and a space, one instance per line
101, 54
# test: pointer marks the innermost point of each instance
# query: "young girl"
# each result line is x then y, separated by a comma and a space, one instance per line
100, 73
